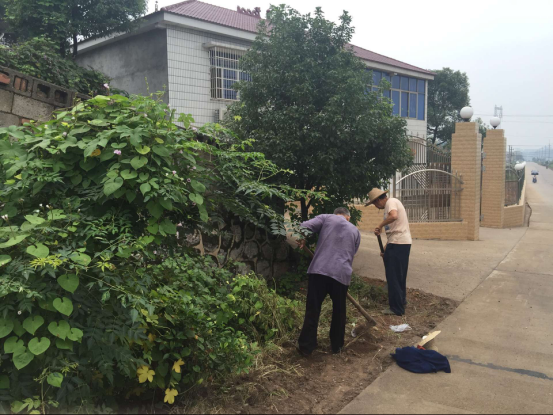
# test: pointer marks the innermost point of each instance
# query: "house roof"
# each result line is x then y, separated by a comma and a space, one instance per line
231, 18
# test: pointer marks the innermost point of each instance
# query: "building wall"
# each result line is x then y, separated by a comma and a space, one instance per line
132, 60
416, 128
189, 72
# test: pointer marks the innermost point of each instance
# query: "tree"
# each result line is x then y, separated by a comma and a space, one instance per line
68, 20
309, 108
482, 127
447, 94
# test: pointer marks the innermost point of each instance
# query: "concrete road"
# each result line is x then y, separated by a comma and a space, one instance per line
499, 341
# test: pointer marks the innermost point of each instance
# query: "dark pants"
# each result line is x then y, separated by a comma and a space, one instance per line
396, 261
319, 287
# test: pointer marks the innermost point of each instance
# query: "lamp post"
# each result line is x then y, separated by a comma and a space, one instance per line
466, 113
495, 121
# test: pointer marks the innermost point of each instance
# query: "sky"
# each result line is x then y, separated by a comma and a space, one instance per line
505, 47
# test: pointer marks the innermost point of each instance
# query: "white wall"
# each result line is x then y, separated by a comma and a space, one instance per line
416, 127
189, 72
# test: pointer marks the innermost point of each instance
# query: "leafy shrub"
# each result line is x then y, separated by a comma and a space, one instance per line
101, 296
40, 58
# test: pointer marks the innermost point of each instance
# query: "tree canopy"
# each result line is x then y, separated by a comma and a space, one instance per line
447, 94
309, 108
64, 20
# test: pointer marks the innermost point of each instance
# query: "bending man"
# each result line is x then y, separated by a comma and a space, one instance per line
398, 248
329, 273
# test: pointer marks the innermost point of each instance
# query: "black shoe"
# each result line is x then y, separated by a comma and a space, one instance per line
302, 352
337, 351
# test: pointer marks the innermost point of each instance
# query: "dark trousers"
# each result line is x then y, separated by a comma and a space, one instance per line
319, 287
396, 261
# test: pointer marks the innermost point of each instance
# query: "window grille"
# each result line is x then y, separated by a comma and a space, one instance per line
225, 72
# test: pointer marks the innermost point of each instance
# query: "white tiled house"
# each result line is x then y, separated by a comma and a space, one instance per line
192, 49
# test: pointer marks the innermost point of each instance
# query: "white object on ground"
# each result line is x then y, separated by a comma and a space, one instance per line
401, 328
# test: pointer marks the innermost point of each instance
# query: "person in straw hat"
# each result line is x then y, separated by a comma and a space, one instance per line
397, 250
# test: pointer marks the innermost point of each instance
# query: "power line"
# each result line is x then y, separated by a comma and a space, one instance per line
512, 115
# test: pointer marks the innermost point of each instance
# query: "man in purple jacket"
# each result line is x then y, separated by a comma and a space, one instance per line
329, 273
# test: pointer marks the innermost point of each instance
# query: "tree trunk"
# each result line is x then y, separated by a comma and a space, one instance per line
435, 135
62, 48
75, 49
304, 210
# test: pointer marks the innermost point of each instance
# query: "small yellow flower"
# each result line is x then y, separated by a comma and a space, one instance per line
145, 374
170, 395
177, 365
151, 337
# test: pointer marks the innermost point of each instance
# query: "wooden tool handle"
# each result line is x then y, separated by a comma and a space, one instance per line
380, 243
363, 312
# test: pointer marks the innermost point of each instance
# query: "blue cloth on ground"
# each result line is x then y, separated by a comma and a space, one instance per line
421, 361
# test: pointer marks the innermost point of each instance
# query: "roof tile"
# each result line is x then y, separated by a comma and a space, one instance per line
219, 15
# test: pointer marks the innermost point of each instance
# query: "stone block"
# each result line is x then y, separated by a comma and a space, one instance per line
8, 119
30, 108
280, 268
264, 268
6, 100
267, 251
251, 250
4, 78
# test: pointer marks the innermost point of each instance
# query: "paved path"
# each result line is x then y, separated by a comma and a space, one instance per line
499, 341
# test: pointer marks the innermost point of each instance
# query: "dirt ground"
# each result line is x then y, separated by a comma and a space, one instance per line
285, 382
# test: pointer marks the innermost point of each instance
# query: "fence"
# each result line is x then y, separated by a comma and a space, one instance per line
428, 156
514, 182
431, 195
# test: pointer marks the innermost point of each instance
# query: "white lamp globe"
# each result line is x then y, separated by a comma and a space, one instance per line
495, 121
466, 113
520, 166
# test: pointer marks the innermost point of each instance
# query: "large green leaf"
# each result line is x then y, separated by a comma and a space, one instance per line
196, 198
143, 149
14, 345
198, 187
145, 188
138, 162
80, 258
111, 186
4, 259
35, 220
129, 174
13, 241
55, 379
168, 227
161, 151
166, 203
75, 335
22, 359
64, 344
37, 346
38, 251
69, 282
59, 330
33, 323
63, 305
6, 327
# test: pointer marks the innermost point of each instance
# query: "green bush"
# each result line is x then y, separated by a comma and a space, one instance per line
40, 58
101, 296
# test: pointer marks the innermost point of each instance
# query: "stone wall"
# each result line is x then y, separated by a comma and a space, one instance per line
257, 249
24, 98
514, 216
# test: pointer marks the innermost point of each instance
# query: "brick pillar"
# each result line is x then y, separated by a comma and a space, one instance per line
466, 151
493, 179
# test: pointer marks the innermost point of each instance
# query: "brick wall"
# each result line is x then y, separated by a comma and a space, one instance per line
514, 216
24, 98
466, 160
493, 179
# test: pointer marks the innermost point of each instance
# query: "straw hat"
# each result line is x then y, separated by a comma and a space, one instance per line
375, 194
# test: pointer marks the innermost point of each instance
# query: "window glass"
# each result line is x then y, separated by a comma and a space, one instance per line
375, 89
405, 83
386, 94
395, 82
420, 115
412, 105
404, 104
395, 100
412, 85
421, 87
386, 76
377, 76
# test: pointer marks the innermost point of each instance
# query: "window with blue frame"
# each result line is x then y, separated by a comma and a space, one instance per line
408, 94
225, 72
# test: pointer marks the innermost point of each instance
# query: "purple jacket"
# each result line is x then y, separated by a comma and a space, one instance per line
338, 243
